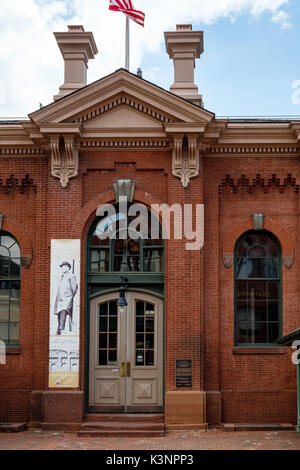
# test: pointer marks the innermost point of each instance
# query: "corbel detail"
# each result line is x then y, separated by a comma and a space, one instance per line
185, 161
64, 158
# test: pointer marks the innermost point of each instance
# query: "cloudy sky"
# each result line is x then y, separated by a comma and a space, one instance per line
250, 65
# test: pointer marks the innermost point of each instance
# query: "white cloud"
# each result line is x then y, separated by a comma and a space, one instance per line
30, 63
282, 18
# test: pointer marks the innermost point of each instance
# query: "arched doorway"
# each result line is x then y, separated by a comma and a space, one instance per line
125, 345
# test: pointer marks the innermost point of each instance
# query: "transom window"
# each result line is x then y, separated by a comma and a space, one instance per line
257, 289
131, 250
10, 267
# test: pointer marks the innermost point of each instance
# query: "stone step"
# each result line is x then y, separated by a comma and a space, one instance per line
118, 433
117, 417
122, 426
258, 427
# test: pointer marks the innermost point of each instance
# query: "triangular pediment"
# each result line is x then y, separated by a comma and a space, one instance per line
89, 105
123, 118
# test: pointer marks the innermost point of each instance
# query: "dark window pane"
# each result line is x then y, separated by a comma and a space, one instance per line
150, 309
241, 290
15, 268
113, 309
103, 309
4, 266
119, 247
242, 249
257, 333
133, 263
273, 291
258, 311
273, 332
241, 268
153, 260
242, 314
103, 324
257, 290
112, 357
140, 358
140, 341
140, 308
133, 247
273, 268
113, 341
102, 358
150, 341
257, 268
113, 324
150, 324
242, 330
102, 341
273, 311
149, 358
257, 251
140, 324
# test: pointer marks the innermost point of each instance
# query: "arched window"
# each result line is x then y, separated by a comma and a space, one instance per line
10, 268
257, 289
130, 250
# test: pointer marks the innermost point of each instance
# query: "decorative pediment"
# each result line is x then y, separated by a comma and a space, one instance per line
123, 119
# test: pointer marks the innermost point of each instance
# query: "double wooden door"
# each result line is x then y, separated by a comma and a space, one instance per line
126, 354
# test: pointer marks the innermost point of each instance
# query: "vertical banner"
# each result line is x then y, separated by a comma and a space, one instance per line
64, 314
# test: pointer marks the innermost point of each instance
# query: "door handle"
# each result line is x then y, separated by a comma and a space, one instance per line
123, 369
128, 372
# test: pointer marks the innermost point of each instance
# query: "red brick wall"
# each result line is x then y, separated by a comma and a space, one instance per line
199, 289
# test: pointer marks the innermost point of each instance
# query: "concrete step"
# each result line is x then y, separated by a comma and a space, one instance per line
117, 417
142, 426
122, 425
118, 433
258, 427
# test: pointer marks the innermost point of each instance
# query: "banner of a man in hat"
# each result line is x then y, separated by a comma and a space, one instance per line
67, 289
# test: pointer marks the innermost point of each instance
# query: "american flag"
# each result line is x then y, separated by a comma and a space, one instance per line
126, 6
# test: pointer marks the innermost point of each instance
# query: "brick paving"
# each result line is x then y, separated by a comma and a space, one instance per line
211, 440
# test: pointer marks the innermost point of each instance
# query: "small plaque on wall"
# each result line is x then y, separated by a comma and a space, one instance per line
184, 373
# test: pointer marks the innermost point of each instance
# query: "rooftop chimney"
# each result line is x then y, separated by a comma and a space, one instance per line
184, 46
77, 47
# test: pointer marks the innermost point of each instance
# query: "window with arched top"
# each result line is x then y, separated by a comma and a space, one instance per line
129, 250
10, 280
257, 265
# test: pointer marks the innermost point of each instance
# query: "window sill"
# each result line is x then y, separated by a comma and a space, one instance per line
258, 350
13, 350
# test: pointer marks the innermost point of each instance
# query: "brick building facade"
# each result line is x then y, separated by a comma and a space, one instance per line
58, 166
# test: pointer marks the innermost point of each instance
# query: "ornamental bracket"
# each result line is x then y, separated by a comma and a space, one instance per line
185, 159
64, 158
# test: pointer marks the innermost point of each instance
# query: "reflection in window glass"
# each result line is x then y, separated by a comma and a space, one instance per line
257, 289
10, 271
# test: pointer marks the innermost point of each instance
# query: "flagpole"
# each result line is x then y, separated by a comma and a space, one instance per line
127, 51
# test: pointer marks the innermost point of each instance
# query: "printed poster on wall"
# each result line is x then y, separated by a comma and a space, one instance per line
64, 314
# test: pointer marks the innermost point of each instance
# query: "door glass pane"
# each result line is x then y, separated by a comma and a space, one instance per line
112, 360
150, 358
108, 337
145, 330
102, 341
103, 357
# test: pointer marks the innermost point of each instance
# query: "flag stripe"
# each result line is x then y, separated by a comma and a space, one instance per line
126, 7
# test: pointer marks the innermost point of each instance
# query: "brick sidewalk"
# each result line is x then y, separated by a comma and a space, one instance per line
211, 440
